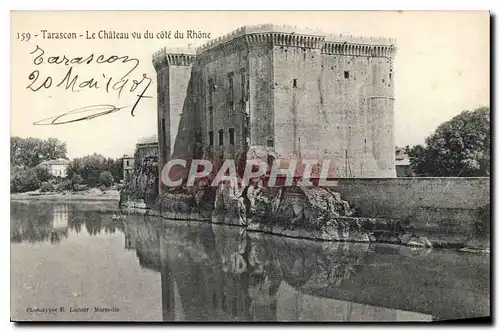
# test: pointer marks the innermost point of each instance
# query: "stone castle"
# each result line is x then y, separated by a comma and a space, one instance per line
291, 92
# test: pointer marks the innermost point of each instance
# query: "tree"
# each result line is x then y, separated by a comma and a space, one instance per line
458, 147
115, 166
22, 180
106, 178
76, 179
30, 151
90, 167
42, 173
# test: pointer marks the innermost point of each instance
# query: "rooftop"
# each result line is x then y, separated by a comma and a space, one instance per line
148, 140
402, 162
59, 161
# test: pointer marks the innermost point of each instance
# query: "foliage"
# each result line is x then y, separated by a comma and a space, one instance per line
80, 187
458, 147
42, 173
46, 186
106, 179
30, 152
76, 180
22, 180
64, 185
89, 168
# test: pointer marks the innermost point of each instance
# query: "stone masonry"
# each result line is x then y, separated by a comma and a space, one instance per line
292, 92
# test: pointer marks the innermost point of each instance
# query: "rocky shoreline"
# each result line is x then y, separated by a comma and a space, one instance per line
305, 213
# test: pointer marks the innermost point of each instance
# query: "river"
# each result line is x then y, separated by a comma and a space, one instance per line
93, 262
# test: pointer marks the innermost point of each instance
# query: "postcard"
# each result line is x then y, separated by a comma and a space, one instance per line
220, 166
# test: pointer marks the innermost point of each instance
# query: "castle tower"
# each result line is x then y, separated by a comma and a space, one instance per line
296, 93
174, 96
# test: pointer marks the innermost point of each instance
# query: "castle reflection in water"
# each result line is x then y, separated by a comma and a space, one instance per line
213, 272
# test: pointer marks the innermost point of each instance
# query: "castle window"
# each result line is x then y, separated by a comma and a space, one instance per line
221, 137
231, 136
270, 143
163, 134
294, 82
211, 116
243, 87
230, 92
346, 74
211, 138
128, 163
210, 91
390, 76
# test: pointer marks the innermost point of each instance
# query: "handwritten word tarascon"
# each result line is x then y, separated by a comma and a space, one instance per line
72, 81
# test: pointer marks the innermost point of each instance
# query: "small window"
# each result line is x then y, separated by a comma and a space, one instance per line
230, 92
211, 116
346, 74
243, 87
390, 76
231, 136
270, 143
294, 82
221, 137
211, 88
211, 138
128, 163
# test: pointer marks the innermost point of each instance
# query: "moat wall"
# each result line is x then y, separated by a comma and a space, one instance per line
443, 206
437, 212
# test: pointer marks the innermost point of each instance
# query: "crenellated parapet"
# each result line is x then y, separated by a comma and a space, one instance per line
369, 50
278, 35
292, 36
285, 39
173, 57
268, 34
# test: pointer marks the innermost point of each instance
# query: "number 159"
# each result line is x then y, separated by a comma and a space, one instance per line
24, 36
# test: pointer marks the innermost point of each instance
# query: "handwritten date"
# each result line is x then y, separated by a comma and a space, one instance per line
73, 82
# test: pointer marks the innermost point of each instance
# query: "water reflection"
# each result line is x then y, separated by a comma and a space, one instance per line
220, 273
48, 222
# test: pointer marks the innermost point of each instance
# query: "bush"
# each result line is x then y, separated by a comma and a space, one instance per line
42, 173
76, 179
117, 186
64, 185
23, 180
80, 187
46, 186
106, 179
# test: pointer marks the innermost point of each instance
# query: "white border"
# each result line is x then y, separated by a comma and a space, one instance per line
7, 6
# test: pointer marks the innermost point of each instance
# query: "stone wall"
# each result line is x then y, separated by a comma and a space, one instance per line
335, 104
302, 94
445, 206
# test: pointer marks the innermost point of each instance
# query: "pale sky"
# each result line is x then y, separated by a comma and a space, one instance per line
441, 68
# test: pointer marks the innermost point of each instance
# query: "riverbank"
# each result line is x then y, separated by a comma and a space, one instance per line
339, 229
86, 195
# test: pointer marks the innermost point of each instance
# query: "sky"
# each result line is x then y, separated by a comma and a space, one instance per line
442, 67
